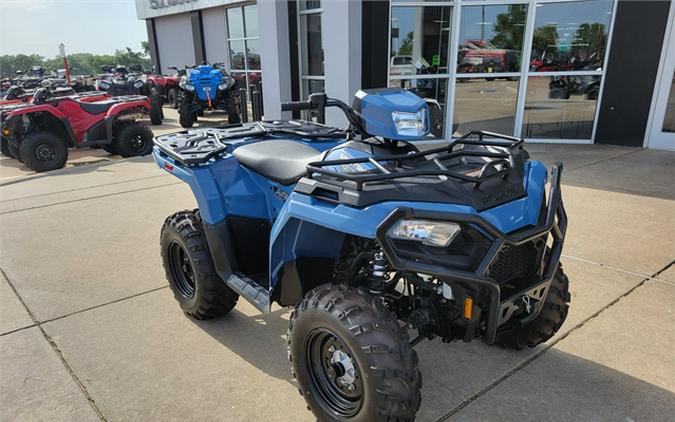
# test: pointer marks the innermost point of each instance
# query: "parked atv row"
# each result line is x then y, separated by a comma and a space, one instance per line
40, 132
120, 82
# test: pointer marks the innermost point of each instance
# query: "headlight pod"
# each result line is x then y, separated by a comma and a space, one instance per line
104, 85
186, 85
222, 87
410, 124
138, 84
431, 233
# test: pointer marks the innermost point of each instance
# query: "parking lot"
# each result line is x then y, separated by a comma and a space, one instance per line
90, 331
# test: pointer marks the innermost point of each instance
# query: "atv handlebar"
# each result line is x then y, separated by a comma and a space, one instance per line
319, 102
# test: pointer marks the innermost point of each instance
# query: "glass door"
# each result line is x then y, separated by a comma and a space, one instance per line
661, 134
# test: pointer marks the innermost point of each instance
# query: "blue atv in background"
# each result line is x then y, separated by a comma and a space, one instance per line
207, 88
370, 239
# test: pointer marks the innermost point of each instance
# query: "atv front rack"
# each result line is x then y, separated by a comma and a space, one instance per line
500, 164
197, 146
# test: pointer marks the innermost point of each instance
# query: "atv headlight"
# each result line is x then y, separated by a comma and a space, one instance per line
104, 85
186, 85
410, 124
222, 87
432, 233
138, 84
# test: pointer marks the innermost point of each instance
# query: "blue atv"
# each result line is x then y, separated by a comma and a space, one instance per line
207, 88
372, 239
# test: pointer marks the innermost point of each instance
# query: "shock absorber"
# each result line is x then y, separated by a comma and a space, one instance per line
378, 272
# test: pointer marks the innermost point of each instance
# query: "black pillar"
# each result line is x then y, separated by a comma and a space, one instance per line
374, 43
639, 28
198, 37
152, 44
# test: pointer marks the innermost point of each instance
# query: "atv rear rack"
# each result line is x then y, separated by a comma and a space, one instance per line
197, 146
505, 160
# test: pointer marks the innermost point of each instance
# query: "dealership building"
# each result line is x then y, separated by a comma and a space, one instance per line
563, 71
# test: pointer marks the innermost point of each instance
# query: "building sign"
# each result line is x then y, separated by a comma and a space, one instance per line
146, 9
158, 4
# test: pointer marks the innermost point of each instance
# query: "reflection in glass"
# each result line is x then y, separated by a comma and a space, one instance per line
570, 35
419, 40
252, 55
235, 22
560, 107
251, 18
310, 86
312, 52
434, 91
485, 105
491, 38
669, 118
237, 55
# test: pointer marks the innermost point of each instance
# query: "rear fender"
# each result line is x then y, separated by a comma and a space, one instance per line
221, 188
142, 106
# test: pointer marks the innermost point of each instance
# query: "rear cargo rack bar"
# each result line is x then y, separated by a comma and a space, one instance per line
503, 159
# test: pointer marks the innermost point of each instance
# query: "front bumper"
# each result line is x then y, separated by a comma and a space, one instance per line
499, 309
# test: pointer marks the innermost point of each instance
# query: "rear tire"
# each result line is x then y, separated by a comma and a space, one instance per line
190, 270
133, 139
15, 153
4, 148
155, 107
549, 321
351, 359
110, 148
43, 151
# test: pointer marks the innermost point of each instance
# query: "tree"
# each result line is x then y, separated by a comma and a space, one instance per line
406, 45
544, 38
146, 48
509, 28
589, 39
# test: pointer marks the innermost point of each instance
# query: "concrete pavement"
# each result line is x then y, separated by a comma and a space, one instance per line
89, 330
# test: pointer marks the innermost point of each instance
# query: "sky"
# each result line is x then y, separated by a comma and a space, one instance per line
84, 26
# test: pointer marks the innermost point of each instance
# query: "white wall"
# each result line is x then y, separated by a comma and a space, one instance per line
174, 40
215, 35
274, 56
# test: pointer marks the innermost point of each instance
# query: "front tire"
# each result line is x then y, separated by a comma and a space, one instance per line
351, 359
4, 148
133, 139
186, 117
549, 320
190, 270
43, 151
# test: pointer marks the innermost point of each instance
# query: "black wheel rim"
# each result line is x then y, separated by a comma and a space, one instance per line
45, 153
334, 372
181, 270
136, 142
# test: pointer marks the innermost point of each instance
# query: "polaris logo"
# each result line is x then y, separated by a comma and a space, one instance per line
160, 4
500, 196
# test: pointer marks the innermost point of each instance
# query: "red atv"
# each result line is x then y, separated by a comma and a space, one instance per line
39, 134
165, 86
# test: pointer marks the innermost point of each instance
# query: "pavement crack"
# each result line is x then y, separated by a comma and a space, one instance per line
56, 349
89, 198
82, 188
102, 305
606, 159
547, 347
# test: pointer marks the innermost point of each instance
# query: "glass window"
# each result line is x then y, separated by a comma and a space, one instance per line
485, 105
235, 22
560, 107
491, 38
312, 51
252, 55
419, 40
251, 19
435, 91
237, 57
570, 36
310, 4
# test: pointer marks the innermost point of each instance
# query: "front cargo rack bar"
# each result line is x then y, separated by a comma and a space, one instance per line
501, 165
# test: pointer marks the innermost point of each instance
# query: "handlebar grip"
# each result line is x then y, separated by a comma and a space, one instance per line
296, 106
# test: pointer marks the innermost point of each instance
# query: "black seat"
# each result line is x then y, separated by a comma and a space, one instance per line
281, 161
97, 107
